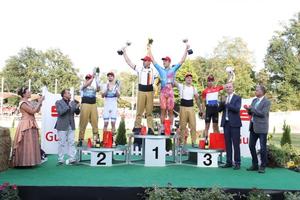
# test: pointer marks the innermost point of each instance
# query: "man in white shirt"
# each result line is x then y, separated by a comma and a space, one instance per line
145, 93
187, 113
231, 123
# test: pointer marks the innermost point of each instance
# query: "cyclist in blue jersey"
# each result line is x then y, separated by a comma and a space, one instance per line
167, 77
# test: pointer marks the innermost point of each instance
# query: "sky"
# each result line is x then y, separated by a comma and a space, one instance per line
91, 31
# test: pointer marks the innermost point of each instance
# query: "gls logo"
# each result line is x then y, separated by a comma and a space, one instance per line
50, 136
244, 115
54, 111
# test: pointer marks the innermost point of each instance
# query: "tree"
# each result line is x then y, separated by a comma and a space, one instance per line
127, 80
229, 51
283, 64
234, 52
121, 136
286, 135
42, 68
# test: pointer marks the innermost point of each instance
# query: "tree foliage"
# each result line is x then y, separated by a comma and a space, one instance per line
229, 51
283, 65
42, 68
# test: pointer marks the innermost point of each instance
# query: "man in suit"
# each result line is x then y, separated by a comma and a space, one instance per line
231, 123
259, 127
65, 126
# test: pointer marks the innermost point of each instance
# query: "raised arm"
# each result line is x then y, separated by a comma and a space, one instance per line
127, 60
30, 109
149, 52
184, 55
87, 83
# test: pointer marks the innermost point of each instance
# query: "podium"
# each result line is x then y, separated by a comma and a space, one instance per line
203, 157
102, 157
153, 150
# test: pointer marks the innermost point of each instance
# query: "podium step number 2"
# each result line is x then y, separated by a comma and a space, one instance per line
99, 159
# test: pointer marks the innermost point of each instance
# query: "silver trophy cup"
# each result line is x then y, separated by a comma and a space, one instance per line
120, 51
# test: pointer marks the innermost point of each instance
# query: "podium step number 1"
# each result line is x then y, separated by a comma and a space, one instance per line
155, 152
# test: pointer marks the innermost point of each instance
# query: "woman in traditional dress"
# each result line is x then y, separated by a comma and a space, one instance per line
26, 147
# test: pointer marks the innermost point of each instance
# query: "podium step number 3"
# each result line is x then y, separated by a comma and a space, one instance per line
207, 159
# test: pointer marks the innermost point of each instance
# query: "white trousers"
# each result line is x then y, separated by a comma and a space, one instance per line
66, 143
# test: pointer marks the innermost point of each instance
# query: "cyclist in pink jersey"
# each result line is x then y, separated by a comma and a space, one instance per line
167, 76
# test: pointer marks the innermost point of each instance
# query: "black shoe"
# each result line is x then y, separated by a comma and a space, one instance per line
79, 144
261, 170
236, 167
150, 131
136, 131
194, 145
252, 168
227, 165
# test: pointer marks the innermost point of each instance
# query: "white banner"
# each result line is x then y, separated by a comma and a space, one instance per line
49, 139
245, 152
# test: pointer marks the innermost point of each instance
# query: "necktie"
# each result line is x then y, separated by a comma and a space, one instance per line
226, 111
257, 103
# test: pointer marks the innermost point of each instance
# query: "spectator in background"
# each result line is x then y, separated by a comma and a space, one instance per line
65, 126
259, 127
26, 148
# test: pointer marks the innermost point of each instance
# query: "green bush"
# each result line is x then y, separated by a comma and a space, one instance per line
286, 135
191, 194
256, 194
121, 136
170, 193
157, 193
292, 196
215, 194
278, 157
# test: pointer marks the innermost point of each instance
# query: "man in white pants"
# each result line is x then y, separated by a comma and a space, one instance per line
110, 93
65, 126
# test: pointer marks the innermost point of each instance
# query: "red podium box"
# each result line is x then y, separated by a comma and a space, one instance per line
217, 141
107, 139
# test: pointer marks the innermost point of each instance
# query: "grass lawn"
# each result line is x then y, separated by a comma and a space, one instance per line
294, 137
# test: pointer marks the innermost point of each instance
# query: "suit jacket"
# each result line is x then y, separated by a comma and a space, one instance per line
233, 107
65, 115
260, 115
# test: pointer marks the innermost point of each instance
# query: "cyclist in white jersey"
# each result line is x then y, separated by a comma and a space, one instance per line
110, 93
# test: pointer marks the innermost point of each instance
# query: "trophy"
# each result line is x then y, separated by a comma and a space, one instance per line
190, 51
150, 41
96, 71
117, 85
231, 75
120, 51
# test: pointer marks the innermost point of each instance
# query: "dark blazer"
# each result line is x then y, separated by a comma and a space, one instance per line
233, 107
65, 115
260, 115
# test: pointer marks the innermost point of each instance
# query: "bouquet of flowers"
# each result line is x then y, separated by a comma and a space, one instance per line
9, 192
